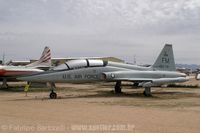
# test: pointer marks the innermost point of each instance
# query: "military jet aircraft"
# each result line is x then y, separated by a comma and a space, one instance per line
161, 72
10, 73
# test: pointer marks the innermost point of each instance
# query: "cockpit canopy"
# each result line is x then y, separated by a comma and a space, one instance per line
77, 64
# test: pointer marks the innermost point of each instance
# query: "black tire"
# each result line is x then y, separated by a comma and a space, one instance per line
53, 95
146, 95
118, 88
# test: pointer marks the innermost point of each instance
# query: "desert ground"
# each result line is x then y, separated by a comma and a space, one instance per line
94, 108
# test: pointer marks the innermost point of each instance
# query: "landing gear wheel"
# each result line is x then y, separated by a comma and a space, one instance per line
118, 88
147, 92
53, 95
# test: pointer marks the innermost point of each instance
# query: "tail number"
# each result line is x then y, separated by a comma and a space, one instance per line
165, 60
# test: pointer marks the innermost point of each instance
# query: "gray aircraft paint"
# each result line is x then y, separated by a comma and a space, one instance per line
165, 60
75, 75
97, 70
106, 73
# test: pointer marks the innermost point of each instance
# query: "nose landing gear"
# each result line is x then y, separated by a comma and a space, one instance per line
52, 95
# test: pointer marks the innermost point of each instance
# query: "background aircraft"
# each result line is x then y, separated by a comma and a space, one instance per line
10, 73
198, 76
161, 72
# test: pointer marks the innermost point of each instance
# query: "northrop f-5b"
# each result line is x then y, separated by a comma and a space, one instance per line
163, 71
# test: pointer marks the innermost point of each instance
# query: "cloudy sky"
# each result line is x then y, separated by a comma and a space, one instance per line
121, 28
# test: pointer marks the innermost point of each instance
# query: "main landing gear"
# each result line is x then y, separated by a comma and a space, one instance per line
147, 91
118, 88
52, 95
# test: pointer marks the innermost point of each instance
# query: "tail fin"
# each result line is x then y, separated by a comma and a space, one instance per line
165, 61
44, 61
197, 76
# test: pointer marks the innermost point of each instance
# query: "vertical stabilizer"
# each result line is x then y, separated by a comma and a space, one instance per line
165, 61
44, 61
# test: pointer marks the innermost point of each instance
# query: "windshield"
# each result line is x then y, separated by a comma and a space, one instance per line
61, 67
74, 64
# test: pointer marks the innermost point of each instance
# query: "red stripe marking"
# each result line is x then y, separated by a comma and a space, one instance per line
13, 72
2, 72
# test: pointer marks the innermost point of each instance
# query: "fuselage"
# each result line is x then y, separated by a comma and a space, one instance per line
15, 71
95, 71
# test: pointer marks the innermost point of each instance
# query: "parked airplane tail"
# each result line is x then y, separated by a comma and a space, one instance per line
197, 76
165, 61
44, 61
